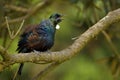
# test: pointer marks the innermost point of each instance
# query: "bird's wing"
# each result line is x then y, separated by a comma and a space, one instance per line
34, 39
29, 38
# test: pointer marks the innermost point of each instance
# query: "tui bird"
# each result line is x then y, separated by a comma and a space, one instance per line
38, 37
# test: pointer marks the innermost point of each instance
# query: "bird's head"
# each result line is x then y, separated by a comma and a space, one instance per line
56, 18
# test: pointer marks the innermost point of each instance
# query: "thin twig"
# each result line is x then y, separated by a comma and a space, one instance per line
16, 8
14, 35
8, 27
15, 75
18, 31
111, 44
4, 53
31, 11
115, 62
43, 73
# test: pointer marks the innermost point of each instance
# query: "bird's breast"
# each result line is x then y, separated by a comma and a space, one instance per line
45, 43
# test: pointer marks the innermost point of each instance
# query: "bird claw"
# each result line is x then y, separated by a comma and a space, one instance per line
48, 51
39, 51
36, 51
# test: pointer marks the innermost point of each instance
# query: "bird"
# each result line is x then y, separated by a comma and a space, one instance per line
39, 37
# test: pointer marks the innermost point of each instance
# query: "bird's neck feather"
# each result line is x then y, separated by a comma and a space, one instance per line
53, 21
50, 27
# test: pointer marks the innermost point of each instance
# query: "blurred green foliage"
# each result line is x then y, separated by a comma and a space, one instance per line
79, 16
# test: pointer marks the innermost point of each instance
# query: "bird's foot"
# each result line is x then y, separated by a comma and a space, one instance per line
36, 51
48, 51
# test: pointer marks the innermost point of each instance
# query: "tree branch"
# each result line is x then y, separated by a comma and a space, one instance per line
16, 8
30, 12
78, 45
49, 68
113, 47
4, 53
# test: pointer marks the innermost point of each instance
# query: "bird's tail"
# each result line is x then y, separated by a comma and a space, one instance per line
18, 72
22, 50
20, 69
